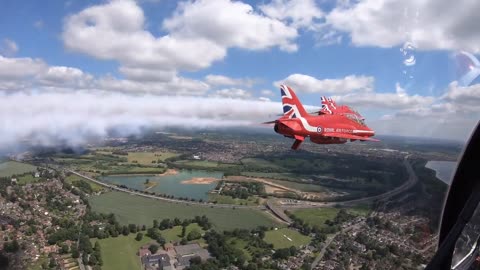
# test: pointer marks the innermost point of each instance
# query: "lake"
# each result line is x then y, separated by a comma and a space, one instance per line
170, 184
444, 169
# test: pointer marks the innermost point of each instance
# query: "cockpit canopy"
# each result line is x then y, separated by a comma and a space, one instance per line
356, 117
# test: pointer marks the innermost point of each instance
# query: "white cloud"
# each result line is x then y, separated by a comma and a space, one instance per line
394, 101
195, 39
267, 92
220, 80
75, 117
60, 76
309, 84
8, 47
264, 99
300, 13
230, 24
116, 31
466, 99
233, 93
29, 74
15, 68
429, 24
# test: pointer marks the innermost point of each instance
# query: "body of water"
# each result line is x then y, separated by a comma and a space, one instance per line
169, 184
444, 169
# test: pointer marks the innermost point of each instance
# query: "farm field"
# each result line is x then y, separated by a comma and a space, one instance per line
146, 158
120, 252
71, 178
138, 210
316, 216
198, 163
285, 237
10, 168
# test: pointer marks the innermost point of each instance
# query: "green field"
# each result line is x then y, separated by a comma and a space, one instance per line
260, 163
285, 237
300, 186
27, 179
146, 158
10, 168
107, 163
121, 252
316, 216
174, 234
198, 163
222, 199
138, 210
73, 177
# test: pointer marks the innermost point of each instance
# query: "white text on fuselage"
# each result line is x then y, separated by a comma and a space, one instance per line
341, 130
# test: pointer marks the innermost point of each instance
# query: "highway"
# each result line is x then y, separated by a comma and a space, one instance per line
412, 180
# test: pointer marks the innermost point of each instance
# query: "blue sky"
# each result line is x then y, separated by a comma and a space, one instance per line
349, 50
321, 61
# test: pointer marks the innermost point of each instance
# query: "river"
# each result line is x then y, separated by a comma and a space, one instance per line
444, 169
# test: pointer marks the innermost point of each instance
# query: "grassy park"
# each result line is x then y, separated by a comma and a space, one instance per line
285, 237
138, 210
10, 168
121, 252
146, 158
174, 234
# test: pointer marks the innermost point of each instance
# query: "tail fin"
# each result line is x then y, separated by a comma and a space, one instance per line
328, 106
292, 107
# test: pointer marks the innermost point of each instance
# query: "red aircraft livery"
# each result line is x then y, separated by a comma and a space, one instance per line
333, 124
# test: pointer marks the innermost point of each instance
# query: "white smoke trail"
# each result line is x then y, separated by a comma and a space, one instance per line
73, 118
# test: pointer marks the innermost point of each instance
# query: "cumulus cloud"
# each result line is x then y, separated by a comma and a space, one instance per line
220, 80
75, 117
267, 92
376, 100
298, 13
29, 74
20, 67
233, 93
235, 24
195, 39
429, 24
308, 84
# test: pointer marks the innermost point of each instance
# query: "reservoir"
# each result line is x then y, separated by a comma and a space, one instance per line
179, 184
444, 169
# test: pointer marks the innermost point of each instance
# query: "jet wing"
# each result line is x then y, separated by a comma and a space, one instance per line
349, 136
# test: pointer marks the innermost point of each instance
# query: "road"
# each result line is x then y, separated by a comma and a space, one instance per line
328, 241
277, 211
412, 180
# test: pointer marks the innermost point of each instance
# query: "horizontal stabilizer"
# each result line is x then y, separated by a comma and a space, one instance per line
269, 122
350, 136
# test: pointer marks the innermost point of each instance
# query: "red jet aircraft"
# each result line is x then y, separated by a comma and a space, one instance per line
333, 124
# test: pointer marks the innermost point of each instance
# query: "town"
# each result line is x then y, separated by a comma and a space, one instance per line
58, 211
